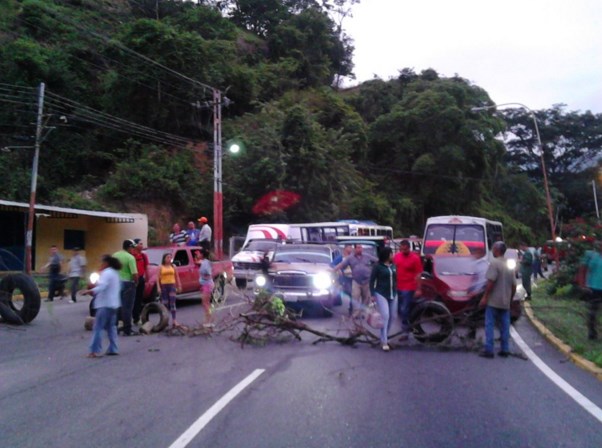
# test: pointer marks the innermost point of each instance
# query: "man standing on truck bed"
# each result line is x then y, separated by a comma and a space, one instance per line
205, 234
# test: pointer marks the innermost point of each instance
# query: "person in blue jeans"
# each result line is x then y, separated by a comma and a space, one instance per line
383, 289
498, 295
107, 300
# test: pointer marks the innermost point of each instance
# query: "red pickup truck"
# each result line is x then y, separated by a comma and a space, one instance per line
188, 271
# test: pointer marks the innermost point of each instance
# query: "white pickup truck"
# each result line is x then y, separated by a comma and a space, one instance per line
248, 262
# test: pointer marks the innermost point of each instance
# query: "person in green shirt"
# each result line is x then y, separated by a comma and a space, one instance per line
590, 278
128, 274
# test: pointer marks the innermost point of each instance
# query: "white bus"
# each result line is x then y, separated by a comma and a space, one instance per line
317, 232
460, 235
262, 239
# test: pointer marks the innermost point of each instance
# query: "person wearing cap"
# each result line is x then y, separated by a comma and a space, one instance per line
77, 269
205, 234
141, 265
128, 274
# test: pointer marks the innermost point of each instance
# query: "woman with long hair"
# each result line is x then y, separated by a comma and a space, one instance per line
383, 289
168, 284
107, 301
206, 282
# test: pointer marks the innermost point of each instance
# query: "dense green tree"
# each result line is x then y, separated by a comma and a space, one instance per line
311, 39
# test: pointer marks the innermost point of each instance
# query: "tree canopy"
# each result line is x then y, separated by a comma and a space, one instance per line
133, 83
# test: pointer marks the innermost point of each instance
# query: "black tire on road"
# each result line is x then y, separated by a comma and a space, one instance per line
31, 295
159, 308
218, 295
431, 322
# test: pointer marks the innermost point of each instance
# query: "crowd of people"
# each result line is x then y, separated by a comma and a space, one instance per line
192, 236
119, 291
385, 281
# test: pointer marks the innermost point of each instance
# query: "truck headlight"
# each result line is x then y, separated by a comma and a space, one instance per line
511, 263
261, 281
323, 280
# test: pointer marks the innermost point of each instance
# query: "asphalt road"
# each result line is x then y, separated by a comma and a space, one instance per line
305, 395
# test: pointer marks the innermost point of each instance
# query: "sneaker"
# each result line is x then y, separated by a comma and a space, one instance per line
72, 301
111, 353
486, 354
503, 354
48, 300
209, 325
386, 348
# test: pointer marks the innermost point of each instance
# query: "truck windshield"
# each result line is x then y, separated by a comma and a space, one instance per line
301, 257
460, 239
261, 245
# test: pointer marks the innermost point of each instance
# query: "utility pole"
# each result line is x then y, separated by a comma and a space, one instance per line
34, 182
218, 225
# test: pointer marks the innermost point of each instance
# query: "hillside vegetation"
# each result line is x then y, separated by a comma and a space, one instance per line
395, 151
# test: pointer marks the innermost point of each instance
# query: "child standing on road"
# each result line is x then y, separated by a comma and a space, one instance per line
168, 284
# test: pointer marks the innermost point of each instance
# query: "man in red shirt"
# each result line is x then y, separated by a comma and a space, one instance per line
141, 264
409, 267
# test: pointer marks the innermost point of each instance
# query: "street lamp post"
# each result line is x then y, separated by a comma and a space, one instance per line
543, 163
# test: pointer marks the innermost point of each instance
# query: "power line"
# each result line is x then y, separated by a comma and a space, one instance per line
62, 101
63, 18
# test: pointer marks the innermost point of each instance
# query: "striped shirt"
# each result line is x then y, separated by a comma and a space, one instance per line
178, 238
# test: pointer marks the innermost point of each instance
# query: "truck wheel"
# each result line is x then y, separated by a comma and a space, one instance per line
159, 308
218, 296
431, 322
28, 309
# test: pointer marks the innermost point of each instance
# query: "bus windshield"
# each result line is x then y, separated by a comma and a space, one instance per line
458, 239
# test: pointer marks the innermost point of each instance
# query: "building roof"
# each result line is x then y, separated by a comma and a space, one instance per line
51, 210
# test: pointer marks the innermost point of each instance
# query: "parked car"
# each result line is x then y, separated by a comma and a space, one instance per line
248, 262
302, 274
188, 271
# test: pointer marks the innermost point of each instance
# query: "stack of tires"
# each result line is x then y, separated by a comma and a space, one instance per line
30, 305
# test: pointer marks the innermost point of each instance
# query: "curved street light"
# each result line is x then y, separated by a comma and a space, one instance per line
543, 163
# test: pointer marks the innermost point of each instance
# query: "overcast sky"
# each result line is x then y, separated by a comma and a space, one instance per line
536, 52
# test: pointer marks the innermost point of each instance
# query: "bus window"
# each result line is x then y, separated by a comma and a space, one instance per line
330, 234
314, 235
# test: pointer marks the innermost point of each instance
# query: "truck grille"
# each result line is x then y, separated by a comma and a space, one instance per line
252, 266
292, 281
